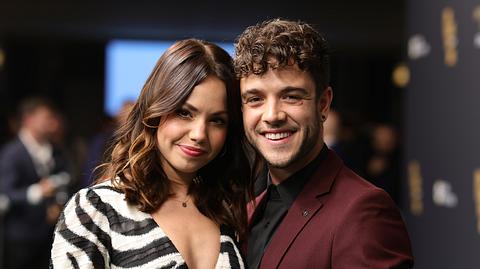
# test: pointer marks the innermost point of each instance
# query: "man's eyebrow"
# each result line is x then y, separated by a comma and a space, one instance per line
250, 91
294, 89
288, 89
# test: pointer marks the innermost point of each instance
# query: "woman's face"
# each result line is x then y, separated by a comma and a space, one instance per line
193, 135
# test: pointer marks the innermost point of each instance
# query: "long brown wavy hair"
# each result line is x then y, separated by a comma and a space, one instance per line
135, 159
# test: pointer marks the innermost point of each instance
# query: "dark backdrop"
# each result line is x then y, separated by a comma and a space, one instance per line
443, 133
57, 48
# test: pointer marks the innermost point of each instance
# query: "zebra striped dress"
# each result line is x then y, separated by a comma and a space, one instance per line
98, 229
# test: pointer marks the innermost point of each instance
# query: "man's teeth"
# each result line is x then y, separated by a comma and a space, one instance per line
276, 136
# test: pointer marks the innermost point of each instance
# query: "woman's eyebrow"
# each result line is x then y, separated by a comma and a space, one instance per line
190, 107
194, 109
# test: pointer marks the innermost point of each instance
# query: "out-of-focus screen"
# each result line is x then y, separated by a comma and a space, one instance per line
128, 65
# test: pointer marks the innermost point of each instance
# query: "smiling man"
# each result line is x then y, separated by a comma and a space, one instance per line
311, 211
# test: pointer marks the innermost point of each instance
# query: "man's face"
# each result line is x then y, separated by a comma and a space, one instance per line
282, 116
41, 122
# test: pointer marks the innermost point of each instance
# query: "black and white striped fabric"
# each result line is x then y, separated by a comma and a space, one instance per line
98, 229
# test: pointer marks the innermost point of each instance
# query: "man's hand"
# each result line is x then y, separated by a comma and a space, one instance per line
47, 187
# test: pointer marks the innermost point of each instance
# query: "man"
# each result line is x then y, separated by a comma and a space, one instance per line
311, 211
31, 174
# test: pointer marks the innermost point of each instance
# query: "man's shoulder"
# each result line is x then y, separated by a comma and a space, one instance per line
348, 179
349, 189
12, 145
335, 177
13, 150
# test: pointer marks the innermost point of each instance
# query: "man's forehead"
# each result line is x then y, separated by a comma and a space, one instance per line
273, 69
277, 72
277, 80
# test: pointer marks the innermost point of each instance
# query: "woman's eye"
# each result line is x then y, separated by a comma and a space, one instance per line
184, 113
219, 121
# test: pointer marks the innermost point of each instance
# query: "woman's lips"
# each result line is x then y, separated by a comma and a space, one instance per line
191, 151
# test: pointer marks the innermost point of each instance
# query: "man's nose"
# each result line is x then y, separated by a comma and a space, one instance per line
273, 113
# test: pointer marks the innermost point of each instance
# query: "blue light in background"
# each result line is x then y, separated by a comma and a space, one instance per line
128, 65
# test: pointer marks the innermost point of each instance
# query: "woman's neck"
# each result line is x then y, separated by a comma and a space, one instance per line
179, 188
179, 181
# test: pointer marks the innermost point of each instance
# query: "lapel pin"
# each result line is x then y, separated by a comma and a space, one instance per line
305, 213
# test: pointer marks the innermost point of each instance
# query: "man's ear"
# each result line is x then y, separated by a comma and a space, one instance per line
324, 102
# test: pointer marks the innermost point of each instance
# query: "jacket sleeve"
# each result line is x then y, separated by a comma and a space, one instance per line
11, 180
80, 239
372, 235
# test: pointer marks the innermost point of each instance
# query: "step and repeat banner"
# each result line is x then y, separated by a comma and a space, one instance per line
442, 194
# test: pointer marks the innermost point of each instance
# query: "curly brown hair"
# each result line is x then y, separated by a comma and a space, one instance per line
279, 42
135, 158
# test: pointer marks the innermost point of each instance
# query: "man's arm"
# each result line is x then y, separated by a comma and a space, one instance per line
14, 186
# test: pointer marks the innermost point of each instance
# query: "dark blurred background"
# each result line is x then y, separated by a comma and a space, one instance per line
57, 49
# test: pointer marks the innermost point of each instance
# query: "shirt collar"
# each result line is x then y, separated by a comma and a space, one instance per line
293, 185
41, 153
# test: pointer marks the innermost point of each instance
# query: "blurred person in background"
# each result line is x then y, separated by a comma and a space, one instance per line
343, 135
32, 172
174, 190
331, 130
382, 167
334, 137
98, 146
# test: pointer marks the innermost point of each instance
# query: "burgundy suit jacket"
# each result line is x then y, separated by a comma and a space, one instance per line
338, 221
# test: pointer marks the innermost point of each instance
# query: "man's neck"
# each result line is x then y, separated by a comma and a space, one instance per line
32, 137
278, 175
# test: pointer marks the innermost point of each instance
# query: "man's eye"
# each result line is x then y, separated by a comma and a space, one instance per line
253, 100
184, 113
292, 97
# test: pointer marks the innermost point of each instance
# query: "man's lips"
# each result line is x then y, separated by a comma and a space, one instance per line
192, 151
277, 135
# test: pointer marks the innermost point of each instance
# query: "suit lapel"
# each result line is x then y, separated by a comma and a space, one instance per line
252, 211
252, 208
305, 206
30, 165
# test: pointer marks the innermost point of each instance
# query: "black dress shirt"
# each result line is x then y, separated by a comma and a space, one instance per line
274, 207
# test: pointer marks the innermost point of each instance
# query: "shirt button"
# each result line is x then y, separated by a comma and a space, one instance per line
305, 213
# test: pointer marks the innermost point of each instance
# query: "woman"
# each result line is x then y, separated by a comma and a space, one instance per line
176, 184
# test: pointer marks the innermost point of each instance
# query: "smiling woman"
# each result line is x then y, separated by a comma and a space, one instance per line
173, 193
191, 137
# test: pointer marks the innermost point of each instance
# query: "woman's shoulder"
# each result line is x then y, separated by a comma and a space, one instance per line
103, 201
97, 194
228, 235
97, 223
106, 189
230, 255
